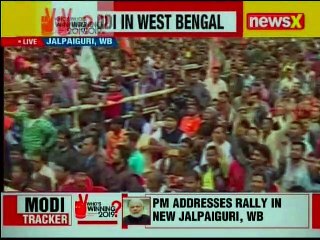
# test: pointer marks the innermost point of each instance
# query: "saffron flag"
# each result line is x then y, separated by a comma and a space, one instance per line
125, 45
215, 55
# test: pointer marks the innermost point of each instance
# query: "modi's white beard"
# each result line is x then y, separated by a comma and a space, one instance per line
136, 215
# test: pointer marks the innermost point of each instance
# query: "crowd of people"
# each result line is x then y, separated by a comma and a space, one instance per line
245, 120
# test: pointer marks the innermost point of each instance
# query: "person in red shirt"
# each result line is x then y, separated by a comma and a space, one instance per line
8, 123
190, 124
236, 177
114, 95
80, 182
62, 174
19, 63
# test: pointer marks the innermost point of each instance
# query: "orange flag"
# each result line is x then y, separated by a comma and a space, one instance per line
125, 45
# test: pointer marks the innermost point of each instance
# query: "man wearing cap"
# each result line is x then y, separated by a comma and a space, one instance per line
136, 216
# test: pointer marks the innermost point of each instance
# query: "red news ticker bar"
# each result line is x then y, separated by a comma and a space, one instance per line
22, 42
315, 211
98, 222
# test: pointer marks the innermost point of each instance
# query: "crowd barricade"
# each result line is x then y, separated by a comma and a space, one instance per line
76, 109
100, 89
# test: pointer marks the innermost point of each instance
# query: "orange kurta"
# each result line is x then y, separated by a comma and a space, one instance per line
112, 141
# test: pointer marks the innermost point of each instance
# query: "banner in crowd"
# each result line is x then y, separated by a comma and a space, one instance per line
155, 19
143, 215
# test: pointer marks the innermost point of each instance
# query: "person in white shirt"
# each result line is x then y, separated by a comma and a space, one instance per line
284, 113
284, 144
296, 170
149, 60
248, 79
39, 167
308, 135
272, 138
219, 139
289, 81
9, 136
295, 134
215, 84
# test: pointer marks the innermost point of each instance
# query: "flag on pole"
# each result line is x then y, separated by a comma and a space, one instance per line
125, 45
215, 55
88, 61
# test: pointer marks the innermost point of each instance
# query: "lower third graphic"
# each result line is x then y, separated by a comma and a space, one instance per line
96, 211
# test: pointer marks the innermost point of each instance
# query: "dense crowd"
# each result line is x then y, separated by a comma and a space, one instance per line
246, 118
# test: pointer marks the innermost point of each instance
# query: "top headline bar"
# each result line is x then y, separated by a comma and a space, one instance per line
155, 19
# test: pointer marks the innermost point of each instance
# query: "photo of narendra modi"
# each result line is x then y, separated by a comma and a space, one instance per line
136, 211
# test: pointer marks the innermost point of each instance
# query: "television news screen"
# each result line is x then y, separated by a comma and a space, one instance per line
161, 118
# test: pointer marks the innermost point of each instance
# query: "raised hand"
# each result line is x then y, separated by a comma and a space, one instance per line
81, 206
47, 22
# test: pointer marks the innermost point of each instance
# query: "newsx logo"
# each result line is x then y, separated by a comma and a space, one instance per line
53, 210
275, 21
